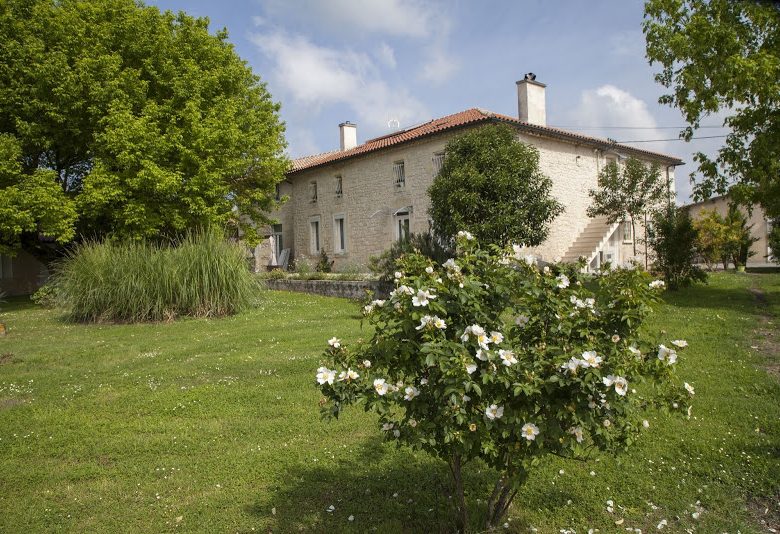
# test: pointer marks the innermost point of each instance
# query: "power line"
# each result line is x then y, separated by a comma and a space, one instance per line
674, 139
633, 127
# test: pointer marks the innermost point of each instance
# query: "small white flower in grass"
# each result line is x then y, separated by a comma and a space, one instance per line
496, 337
351, 518
411, 392
657, 284
607, 423
367, 364
507, 357
689, 388
429, 270
615, 338
398, 275
646, 423
522, 320
334, 342
591, 358
413, 423
325, 375
481, 355
470, 368
662, 524
576, 431
621, 386
563, 281
422, 298
681, 343
381, 386
494, 412
667, 355
529, 431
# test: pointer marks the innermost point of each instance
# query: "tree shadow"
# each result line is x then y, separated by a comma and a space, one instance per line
711, 298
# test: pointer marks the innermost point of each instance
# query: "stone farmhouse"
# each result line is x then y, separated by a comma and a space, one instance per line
355, 201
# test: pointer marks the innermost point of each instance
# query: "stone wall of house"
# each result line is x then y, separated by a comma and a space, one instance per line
370, 197
22, 274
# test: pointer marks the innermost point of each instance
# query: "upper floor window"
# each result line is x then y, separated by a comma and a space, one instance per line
313, 191
438, 162
399, 176
628, 232
339, 187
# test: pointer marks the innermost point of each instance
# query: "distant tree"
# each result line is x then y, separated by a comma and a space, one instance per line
673, 239
739, 239
30, 203
724, 56
148, 124
711, 236
774, 240
490, 185
634, 190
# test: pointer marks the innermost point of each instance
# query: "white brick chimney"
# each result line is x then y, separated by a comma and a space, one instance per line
530, 100
347, 135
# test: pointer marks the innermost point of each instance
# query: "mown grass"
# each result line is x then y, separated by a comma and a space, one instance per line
205, 425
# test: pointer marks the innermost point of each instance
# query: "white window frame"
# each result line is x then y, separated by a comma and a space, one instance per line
315, 235
339, 186
399, 174
398, 220
339, 233
626, 227
437, 161
278, 235
313, 191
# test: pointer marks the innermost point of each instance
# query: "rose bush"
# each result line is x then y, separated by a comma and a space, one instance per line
487, 356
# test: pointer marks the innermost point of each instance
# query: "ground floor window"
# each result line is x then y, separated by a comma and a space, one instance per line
314, 235
278, 242
402, 226
339, 234
628, 231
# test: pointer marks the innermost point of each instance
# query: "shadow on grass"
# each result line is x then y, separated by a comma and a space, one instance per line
18, 303
737, 299
383, 491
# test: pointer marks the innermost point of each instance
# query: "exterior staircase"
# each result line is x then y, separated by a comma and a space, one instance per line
590, 240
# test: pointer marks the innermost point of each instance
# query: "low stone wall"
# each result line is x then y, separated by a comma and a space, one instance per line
332, 288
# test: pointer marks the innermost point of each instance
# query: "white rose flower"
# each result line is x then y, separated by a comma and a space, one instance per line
609, 380
563, 281
667, 355
425, 320
398, 275
381, 386
529, 431
507, 357
429, 270
334, 342
387, 427
439, 323
681, 343
494, 412
635, 351
646, 423
481, 355
325, 375
607, 423
577, 432
522, 320
657, 284
591, 358
470, 368
689, 388
367, 363
423, 381
466, 235
411, 392
423, 297
496, 337
621, 386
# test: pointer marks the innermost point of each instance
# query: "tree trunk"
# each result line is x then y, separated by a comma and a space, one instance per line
462, 520
499, 502
633, 235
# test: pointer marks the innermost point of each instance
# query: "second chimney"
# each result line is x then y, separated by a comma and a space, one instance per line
530, 100
347, 135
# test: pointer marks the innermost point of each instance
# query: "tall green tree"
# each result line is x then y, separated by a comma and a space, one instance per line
148, 123
634, 190
724, 56
490, 185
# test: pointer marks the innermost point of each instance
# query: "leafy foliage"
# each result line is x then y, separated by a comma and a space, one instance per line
634, 190
711, 238
774, 240
203, 275
324, 264
739, 239
30, 203
385, 265
151, 124
673, 239
490, 184
488, 357
724, 56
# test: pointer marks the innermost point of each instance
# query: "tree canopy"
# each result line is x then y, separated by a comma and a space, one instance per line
724, 56
490, 185
148, 124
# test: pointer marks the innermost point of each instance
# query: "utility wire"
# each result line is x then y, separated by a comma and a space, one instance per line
674, 139
634, 127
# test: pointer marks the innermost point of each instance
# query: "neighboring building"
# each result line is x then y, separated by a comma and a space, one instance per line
761, 226
354, 202
21, 274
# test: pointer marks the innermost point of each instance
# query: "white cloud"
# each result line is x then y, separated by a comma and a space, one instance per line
628, 43
316, 76
386, 55
439, 66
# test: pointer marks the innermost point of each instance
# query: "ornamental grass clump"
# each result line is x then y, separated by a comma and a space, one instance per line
202, 275
488, 357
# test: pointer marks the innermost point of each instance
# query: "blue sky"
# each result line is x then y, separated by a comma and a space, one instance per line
376, 61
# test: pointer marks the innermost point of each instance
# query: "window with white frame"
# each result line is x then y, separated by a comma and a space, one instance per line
314, 236
339, 233
313, 191
438, 162
276, 232
628, 231
402, 218
339, 187
399, 175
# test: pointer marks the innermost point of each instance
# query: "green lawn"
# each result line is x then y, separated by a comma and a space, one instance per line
213, 426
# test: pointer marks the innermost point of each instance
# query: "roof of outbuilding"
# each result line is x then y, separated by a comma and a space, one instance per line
458, 120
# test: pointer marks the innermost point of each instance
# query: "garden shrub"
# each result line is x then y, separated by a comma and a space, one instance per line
673, 239
485, 356
202, 275
384, 266
45, 296
325, 264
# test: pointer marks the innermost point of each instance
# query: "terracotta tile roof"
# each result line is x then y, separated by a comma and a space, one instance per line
457, 120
